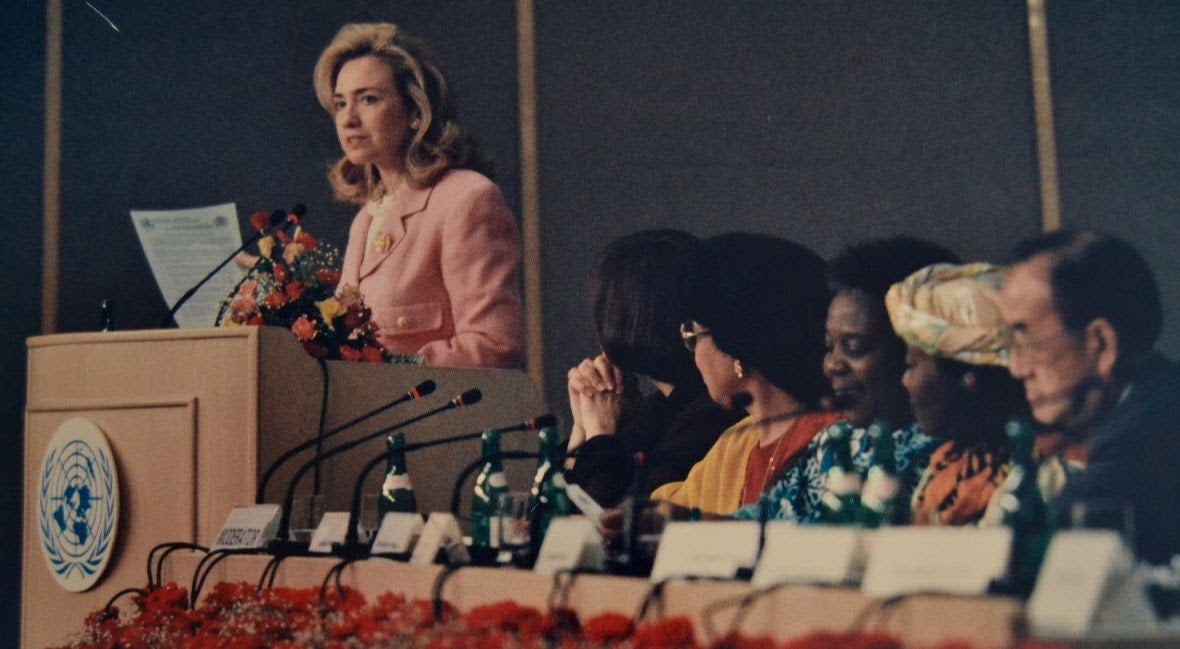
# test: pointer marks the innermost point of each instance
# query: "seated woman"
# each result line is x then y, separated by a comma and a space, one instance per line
636, 314
863, 364
756, 307
959, 386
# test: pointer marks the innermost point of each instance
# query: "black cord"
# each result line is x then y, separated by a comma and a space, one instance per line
153, 582
199, 577
877, 607
267, 579
440, 581
319, 444
335, 571
653, 598
111, 602
173, 547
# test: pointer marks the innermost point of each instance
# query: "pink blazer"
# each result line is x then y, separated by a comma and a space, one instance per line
447, 285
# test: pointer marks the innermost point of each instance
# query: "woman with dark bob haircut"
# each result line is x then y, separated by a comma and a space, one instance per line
756, 310
434, 249
637, 310
864, 363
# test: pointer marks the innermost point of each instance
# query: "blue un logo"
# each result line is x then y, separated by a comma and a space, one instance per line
78, 505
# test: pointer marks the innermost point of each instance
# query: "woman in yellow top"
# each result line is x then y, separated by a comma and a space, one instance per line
757, 305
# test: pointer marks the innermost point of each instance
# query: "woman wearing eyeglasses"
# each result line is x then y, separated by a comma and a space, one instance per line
756, 307
636, 314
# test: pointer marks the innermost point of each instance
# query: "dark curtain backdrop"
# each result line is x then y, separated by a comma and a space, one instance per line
826, 122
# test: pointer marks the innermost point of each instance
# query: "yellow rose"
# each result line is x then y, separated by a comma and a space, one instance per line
291, 251
266, 245
330, 309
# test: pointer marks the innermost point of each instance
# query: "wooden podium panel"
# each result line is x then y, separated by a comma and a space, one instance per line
193, 417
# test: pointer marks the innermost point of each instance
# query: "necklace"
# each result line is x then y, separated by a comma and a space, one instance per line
770, 464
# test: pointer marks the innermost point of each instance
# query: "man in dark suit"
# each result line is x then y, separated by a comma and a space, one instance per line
1084, 313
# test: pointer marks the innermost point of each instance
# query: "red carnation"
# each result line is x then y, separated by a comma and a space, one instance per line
357, 317
282, 237
607, 627
327, 276
255, 321
665, 634
259, 220
294, 290
281, 273
307, 241
303, 328
373, 354
350, 353
274, 301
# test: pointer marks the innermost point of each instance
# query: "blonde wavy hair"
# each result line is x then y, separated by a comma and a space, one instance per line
438, 143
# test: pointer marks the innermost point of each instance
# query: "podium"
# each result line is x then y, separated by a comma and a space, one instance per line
193, 417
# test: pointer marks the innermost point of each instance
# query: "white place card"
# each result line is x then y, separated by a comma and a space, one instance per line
440, 533
571, 542
809, 554
333, 528
954, 560
586, 503
248, 528
706, 549
1088, 584
397, 533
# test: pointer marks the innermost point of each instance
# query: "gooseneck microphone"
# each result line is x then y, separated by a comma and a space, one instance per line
277, 217
354, 512
423, 389
468, 398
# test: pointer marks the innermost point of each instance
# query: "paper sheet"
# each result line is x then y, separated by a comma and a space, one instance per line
181, 247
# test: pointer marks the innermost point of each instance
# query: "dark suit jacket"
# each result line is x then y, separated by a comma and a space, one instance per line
1135, 459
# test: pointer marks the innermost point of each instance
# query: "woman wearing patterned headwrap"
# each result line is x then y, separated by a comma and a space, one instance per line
960, 390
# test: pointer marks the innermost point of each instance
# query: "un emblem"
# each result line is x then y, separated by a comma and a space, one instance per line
78, 506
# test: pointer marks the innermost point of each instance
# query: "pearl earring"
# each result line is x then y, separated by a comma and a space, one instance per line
738, 370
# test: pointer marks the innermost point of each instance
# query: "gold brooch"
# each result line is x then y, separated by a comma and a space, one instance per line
383, 242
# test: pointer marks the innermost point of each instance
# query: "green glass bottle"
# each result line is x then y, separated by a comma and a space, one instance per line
548, 498
397, 492
878, 499
840, 502
1023, 508
490, 483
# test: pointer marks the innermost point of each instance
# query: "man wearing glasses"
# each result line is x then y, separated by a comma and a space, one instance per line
1084, 313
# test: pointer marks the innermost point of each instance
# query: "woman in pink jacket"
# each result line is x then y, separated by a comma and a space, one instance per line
434, 249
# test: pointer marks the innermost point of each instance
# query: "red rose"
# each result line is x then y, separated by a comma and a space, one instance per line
255, 321
294, 290
373, 354
350, 353
281, 273
327, 276
259, 220
274, 301
307, 241
282, 237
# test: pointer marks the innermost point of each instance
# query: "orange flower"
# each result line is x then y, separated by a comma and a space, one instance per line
304, 329
350, 353
373, 354
274, 301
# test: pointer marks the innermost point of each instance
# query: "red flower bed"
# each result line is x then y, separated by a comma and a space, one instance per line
236, 616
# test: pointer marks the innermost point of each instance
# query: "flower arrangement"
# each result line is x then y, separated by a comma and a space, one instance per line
294, 284
238, 616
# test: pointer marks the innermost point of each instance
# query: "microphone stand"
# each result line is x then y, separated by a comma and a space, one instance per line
282, 544
423, 389
276, 217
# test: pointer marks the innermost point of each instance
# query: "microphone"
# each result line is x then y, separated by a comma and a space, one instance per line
351, 540
423, 389
276, 217
468, 398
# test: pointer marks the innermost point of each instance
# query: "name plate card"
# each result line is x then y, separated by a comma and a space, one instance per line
248, 528
333, 528
571, 542
586, 503
440, 533
953, 560
809, 554
397, 533
1088, 583
706, 549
